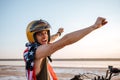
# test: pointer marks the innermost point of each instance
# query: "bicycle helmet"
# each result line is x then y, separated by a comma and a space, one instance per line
36, 26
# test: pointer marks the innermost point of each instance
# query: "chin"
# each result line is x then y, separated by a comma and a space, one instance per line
44, 43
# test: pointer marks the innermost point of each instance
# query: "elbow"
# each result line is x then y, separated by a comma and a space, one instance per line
67, 40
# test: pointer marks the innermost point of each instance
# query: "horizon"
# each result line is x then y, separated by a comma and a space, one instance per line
70, 59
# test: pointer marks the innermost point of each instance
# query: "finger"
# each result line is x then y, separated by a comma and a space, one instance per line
105, 22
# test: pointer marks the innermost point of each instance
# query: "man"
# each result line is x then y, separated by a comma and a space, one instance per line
39, 47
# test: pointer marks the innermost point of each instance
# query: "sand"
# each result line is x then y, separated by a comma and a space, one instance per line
18, 72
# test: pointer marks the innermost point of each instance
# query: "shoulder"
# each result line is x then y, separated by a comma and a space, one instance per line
43, 51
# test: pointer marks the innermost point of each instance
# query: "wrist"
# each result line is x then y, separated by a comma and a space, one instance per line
93, 27
59, 33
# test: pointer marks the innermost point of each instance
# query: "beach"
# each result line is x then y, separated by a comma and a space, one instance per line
63, 73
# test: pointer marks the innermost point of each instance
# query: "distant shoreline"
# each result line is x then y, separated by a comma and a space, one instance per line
73, 59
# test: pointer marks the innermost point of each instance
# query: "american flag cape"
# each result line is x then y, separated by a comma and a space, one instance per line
29, 63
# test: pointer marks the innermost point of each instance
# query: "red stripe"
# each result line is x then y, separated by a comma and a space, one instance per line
34, 76
24, 53
26, 50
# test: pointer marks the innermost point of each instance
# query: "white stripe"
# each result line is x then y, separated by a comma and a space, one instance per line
51, 78
27, 74
30, 75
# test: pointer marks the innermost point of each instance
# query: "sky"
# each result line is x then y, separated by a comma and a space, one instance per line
72, 15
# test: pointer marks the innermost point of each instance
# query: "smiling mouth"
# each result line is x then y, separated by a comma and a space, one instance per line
44, 41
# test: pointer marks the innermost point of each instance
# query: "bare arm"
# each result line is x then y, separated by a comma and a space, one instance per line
68, 39
55, 36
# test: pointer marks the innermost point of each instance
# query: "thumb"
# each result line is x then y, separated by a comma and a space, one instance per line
104, 22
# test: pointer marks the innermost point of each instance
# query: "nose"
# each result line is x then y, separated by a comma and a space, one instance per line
44, 35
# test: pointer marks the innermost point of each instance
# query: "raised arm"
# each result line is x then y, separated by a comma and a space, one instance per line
55, 36
68, 39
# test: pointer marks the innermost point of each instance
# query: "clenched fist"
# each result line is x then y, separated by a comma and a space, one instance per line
99, 23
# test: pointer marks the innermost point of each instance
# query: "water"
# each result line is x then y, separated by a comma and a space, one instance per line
76, 64
86, 63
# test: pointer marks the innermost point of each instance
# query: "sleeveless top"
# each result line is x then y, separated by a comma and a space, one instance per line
43, 74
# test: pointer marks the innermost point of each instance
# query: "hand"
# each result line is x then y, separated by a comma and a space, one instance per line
99, 22
61, 30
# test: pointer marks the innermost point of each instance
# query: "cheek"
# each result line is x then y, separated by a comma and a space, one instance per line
38, 38
47, 36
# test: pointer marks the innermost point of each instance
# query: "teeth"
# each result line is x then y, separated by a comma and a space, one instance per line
44, 40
